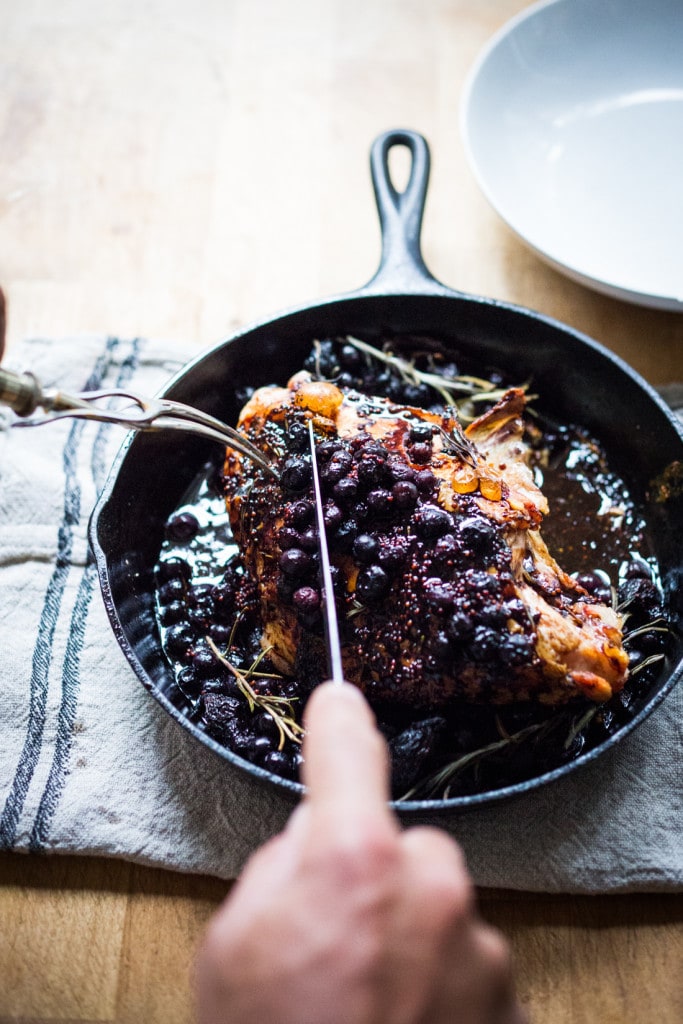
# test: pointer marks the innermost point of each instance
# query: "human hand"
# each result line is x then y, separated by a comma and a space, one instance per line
343, 918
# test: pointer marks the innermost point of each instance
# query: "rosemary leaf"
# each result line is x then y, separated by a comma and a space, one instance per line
441, 780
280, 709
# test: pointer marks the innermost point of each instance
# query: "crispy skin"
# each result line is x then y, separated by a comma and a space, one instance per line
493, 620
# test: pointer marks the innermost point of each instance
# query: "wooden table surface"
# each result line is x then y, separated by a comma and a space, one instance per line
176, 169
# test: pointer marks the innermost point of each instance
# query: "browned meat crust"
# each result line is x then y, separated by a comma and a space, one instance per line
445, 588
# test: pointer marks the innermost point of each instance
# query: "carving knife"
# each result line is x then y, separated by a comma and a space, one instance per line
332, 641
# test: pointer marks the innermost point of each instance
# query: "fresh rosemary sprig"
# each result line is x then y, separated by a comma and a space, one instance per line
356, 609
460, 446
280, 709
439, 783
468, 388
579, 724
646, 662
657, 625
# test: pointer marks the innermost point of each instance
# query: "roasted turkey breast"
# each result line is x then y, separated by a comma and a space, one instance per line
444, 586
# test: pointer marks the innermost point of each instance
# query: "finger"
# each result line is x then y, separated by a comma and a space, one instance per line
438, 890
494, 953
438, 857
346, 763
435, 902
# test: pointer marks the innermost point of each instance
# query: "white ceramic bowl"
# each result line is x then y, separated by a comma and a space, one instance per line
572, 120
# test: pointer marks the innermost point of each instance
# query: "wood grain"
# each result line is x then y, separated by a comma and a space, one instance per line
90, 940
177, 169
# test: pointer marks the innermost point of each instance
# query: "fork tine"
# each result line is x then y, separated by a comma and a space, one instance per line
24, 394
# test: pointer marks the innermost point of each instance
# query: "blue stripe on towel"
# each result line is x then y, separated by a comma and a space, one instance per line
71, 671
42, 653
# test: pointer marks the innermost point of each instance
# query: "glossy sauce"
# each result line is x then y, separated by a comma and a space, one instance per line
594, 530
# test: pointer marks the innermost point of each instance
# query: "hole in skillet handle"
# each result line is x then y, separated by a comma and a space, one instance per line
402, 269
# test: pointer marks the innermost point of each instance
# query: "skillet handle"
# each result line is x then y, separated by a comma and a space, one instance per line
401, 267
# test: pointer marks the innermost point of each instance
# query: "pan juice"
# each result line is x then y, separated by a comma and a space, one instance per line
209, 619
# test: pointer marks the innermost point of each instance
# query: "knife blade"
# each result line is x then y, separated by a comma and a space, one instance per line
331, 623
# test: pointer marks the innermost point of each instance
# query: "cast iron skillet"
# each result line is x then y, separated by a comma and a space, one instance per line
577, 379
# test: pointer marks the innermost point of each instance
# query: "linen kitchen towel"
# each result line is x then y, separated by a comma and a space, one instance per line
89, 763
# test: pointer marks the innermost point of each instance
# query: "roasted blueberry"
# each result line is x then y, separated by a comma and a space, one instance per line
332, 516
421, 453
637, 569
421, 432
338, 466
220, 634
393, 553
411, 749
295, 563
326, 449
597, 584
438, 650
182, 528
179, 640
477, 534
484, 644
296, 473
223, 601
426, 481
418, 395
459, 628
172, 590
201, 596
404, 493
278, 762
515, 649
199, 620
203, 660
172, 613
431, 521
350, 358
173, 568
372, 584
641, 598
373, 449
221, 709
381, 383
306, 599
379, 502
323, 361
346, 534
365, 548
288, 537
439, 595
299, 513
220, 684
345, 491
264, 725
308, 540
297, 437
370, 470
259, 748
446, 549
397, 470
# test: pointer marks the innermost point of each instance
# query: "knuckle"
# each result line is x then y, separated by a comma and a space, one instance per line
212, 952
447, 907
445, 884
495, 952
363, 854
